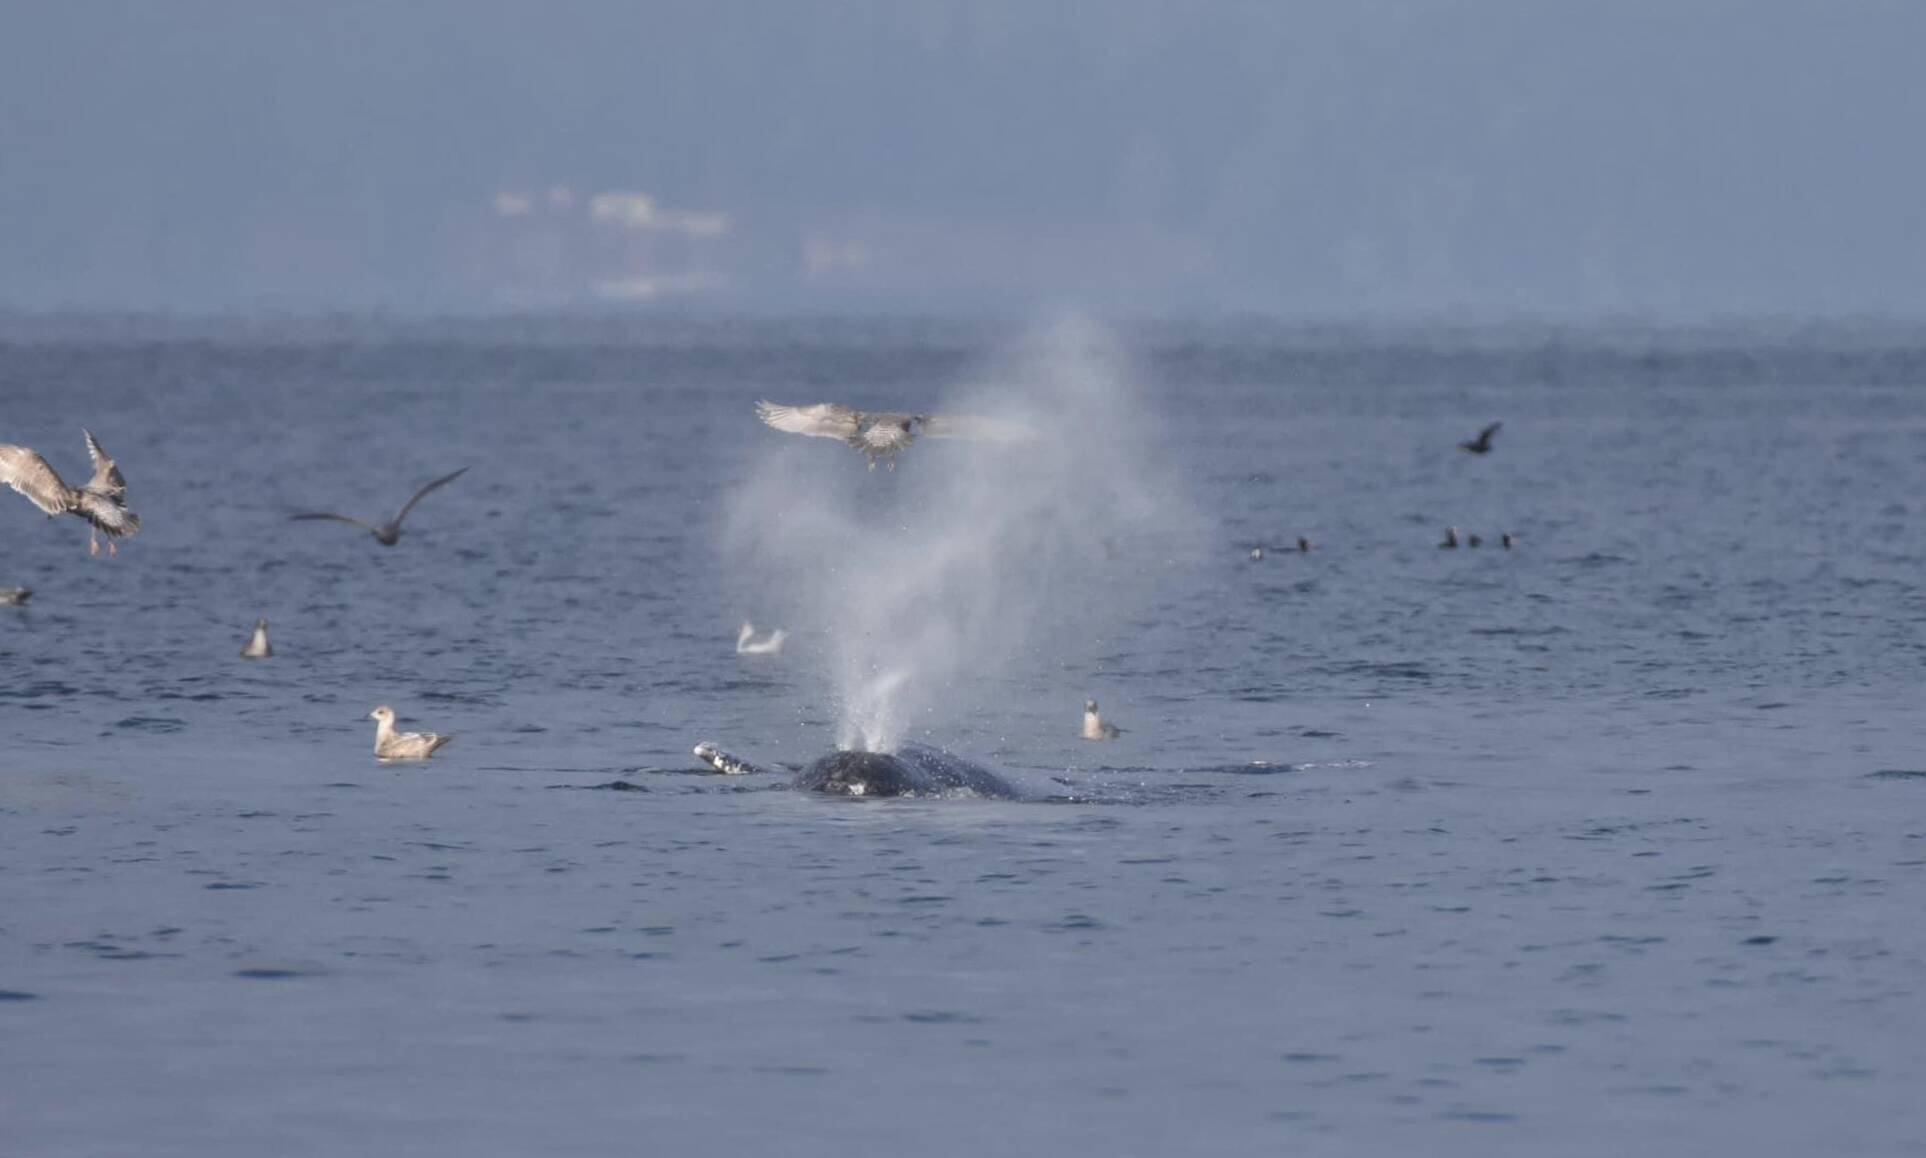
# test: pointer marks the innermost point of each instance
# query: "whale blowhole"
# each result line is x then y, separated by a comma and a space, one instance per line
932, 583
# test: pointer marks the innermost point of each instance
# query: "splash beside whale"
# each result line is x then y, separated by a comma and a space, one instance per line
911, 770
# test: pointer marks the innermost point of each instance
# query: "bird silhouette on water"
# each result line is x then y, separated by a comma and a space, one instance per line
389, 532
1304, 547
1482, 443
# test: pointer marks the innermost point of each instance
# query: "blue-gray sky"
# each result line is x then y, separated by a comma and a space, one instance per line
1349, 158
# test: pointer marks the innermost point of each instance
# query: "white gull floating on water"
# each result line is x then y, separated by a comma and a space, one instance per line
101, 500
393, 745
1095, 727
747, 644
257, 646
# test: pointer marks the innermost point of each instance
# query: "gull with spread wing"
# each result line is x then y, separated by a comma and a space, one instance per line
102, 501
881, 435
388, 532
1482, 443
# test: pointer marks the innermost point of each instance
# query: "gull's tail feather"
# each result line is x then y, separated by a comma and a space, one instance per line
106, 514
979, 429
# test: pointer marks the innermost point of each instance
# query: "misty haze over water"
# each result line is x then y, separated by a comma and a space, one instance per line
1329, 160
1604, 839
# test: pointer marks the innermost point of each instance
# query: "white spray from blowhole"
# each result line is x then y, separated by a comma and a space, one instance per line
973, 557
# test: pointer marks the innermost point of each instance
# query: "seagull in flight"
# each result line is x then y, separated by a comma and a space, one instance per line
387, 533
1482, 443
881, 435
102, 500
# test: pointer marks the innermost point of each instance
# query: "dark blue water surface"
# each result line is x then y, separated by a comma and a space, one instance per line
1613, 841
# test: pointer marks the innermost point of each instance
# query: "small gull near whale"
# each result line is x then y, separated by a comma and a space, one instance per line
1095, 727
722, 761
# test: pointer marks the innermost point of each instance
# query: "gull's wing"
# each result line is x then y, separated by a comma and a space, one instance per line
823, 420
1485, 434
981, 429
25, 471
444, 480
336, 518
107, 479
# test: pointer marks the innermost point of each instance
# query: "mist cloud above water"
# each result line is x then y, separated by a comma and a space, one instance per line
973, 559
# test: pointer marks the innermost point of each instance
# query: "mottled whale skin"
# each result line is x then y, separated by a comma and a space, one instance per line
912, 770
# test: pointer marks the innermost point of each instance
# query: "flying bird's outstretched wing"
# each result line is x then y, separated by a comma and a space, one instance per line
981, 429
1482, 443
107, 478
336, 518
410, 504
25, 471
823, 420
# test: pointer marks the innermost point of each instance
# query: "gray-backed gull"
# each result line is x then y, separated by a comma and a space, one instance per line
387, 532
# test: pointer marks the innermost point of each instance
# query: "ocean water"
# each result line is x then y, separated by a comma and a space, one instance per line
1610, 842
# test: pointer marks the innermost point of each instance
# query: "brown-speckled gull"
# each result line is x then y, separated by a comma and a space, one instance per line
102, 500
393, 745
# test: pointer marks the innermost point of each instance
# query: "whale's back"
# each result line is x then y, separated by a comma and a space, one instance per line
912, 770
